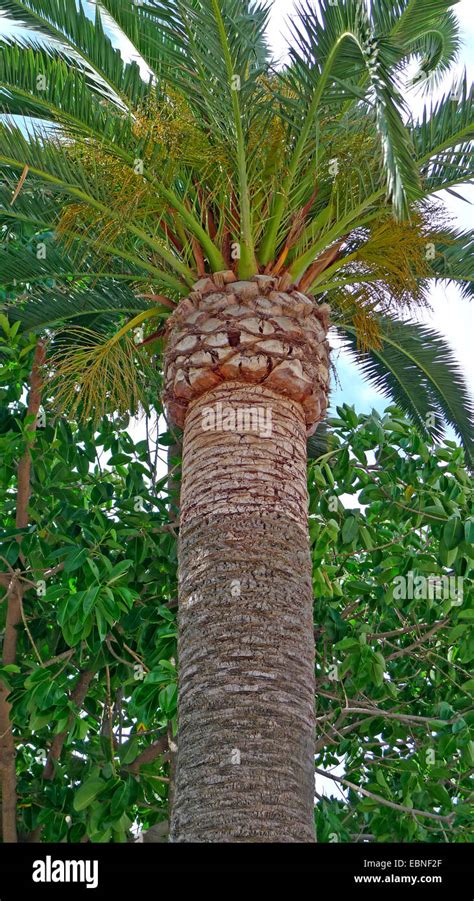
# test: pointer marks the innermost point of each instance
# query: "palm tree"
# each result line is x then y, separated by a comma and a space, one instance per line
209, 197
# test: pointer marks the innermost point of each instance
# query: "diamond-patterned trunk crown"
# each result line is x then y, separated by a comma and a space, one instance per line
258, 331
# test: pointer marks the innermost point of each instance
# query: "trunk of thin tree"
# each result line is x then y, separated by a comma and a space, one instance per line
14, 602
245, 769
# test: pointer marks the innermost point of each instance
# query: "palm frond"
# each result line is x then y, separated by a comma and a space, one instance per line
40, 83
416, 368
51, 166
427, 31
412, 19
100, 305
38, 261
331, 49
210, 52
82, 40
35, 218
454, 253
94, 374
170, 36
447, 124
437, 49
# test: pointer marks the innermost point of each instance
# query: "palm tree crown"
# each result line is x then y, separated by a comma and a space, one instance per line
133, 181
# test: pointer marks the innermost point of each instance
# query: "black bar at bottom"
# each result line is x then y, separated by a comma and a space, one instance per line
101, 871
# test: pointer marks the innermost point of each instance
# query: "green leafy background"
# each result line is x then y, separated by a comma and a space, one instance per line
396, 723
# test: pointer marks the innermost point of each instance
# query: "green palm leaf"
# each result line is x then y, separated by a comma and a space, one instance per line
51, 166
417, 369
38, 82
445, 125
85, 42
97, 306
42, 259
437, 49
411, 19
453, 261
338, 45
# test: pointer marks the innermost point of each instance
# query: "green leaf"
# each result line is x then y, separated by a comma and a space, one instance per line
453, 532
101, 624
440, 795
350, 530
167, 699
129, 751
119, 459
90, 597
75, 559
417, 369
87, 793
68, 608
347, 643
447, 556
381, 779
119, 801
469, 530
119, 570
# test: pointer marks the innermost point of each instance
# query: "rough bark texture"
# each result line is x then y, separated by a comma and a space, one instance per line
7, 744
77, 698
14, 599
245, 769
252, 332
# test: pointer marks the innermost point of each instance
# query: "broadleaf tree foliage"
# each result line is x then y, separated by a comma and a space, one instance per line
93, 686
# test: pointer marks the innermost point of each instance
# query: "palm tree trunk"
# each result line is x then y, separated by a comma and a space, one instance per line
245, 769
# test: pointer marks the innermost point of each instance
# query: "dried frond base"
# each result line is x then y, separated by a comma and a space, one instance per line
248, 332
